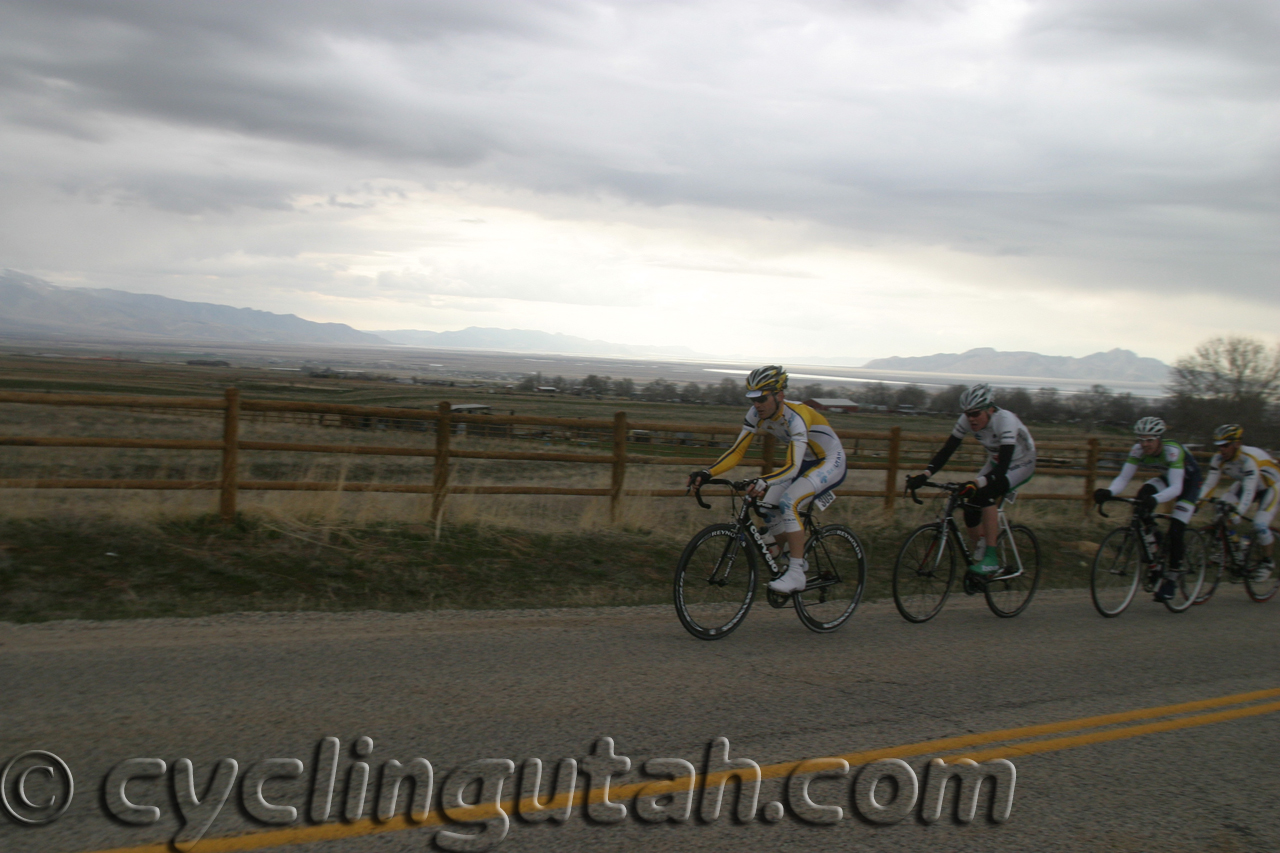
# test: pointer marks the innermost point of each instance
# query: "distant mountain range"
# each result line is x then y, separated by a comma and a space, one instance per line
524, 340
32, 307
1117, 364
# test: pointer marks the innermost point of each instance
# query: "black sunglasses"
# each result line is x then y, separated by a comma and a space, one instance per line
973, 413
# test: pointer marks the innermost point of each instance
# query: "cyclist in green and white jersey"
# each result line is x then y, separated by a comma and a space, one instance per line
1011, 462
1179, 479
1257, 477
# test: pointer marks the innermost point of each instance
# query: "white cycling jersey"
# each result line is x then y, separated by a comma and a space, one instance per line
1003, 428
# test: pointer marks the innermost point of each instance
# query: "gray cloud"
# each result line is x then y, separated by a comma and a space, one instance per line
1102, 144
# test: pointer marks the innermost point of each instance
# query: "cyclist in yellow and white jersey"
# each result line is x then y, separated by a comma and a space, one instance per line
815, 464
1257, 477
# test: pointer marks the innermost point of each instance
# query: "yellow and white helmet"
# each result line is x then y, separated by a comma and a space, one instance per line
765, 380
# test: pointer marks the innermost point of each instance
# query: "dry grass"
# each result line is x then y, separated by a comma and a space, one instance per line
108, 553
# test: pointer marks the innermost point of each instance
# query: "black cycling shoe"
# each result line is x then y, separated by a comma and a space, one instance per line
1168, 587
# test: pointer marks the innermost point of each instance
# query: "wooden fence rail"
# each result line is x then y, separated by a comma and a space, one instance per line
1080, 459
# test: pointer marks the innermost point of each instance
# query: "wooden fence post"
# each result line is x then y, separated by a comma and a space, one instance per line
1091, 474
230, 455
619, 464
440, 480
891, 475
766, 461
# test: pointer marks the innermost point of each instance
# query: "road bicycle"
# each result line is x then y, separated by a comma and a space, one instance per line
715, 581
1134, 554
1235, 556
926, 563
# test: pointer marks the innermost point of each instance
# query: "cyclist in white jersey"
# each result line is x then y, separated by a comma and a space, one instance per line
1011, 461
815, 464
1257, 477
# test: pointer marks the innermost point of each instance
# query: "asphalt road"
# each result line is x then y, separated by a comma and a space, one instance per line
457, 687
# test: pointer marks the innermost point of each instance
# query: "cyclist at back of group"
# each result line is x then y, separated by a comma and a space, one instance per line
1179, 478
1257, 477
1011, 461
815, 464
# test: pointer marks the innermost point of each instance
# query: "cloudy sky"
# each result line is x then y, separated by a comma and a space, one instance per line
861, 178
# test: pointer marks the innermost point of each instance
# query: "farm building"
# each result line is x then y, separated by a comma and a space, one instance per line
831, 404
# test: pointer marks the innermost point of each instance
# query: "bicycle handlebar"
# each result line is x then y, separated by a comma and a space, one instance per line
1116, 499
949, 487
736, 485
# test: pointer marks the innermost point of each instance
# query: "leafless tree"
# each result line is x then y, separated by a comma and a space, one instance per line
1233, 369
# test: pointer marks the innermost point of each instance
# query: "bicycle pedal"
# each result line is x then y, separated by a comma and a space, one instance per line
777, 599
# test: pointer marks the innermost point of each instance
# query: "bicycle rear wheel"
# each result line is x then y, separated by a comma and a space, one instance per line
923, 573
1117, 567
1009, 596
715, 582
1219, 557
1191, 577
837, 577
1264, 588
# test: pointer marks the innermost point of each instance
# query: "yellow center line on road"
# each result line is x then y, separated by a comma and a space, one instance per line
1178, 714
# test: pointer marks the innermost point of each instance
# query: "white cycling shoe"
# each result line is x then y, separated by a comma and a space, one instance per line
793, 580
1258, 575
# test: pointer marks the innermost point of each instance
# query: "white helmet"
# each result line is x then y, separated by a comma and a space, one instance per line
976, 397
1149, 428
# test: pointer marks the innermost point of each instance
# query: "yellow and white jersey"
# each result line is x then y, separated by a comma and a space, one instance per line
807, 434
1252, 467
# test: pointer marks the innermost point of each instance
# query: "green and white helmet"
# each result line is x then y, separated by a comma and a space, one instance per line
1149, 427
977, 396
765, 380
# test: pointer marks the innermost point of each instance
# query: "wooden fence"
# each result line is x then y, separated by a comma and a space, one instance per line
892, 451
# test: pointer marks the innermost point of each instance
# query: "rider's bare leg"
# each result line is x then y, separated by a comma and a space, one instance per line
795, 541
987, 529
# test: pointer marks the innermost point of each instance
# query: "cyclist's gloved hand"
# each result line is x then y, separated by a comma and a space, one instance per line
915, 481
1146, 498
757, 488
967, 490
1101, 496
697, 478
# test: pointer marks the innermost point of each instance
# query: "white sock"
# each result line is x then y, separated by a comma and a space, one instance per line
980, 549
799, 563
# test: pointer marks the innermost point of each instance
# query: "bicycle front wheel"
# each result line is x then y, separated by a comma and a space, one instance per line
1117, 567
1262, 589
1219, 557
837, 577
715, 582
923, 573
1191, 576
1009, 591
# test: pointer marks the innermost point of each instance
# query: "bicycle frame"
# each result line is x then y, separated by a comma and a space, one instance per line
742, 520
715, 579
1220, 529
948, 521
